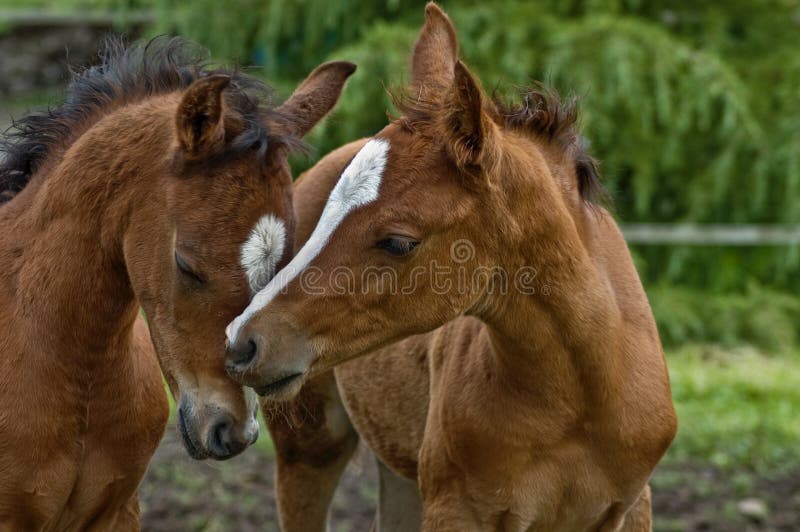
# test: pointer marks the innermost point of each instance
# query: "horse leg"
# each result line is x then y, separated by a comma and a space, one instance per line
128, 520
314, 441
640, 517
399, 502
123, 518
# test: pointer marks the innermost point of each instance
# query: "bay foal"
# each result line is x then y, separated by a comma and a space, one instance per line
160, 183
503, 356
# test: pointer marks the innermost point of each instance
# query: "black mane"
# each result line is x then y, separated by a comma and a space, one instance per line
125, 74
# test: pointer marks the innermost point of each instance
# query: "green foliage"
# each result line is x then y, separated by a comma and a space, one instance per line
736, 408
75, 5
382, 59
646, 80
760, 317
694, 109
288, 39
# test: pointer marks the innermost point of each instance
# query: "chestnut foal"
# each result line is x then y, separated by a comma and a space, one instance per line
159, 183
527, 388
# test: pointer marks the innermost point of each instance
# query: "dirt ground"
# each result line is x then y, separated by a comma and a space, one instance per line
180, 494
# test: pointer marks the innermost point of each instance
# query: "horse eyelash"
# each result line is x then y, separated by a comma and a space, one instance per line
387, 244
187, 271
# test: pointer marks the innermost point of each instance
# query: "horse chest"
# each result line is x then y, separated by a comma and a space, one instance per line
85, 446
520, 477
510, 489
65, 488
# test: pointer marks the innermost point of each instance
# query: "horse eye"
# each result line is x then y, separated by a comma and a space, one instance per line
398, 246
186, 270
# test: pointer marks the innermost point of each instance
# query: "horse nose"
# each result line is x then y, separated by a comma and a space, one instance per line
241, 354
222, 441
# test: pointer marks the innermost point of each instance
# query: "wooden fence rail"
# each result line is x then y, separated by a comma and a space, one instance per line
712, 234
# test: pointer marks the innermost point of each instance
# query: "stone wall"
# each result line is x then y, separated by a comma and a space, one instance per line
37, 50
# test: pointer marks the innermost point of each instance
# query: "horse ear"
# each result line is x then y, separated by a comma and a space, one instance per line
317, 95
468, 128
435, 54
200, 117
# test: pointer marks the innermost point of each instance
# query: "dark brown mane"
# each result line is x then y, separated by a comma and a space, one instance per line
127, 74
541, 113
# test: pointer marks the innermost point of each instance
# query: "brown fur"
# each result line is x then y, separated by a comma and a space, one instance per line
540, 411
152, 154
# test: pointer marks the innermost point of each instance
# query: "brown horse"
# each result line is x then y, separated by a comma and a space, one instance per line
527, 387
161, 183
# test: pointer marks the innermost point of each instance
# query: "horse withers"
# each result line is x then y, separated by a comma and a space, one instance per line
514, 378
159, 183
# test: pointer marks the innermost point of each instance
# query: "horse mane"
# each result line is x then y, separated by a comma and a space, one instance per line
541, 113
128, 74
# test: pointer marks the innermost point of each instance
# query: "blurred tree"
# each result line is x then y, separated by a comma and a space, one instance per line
286, 38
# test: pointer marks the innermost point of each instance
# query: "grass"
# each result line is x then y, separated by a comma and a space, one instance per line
737, 439
737, 408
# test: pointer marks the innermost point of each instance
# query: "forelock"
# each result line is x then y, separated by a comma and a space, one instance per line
263, 251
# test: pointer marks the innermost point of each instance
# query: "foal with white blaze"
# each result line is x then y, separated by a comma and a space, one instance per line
358, 186
537, 410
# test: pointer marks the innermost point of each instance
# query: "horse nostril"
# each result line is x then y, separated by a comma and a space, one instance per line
221, 436
241, 354
221, 442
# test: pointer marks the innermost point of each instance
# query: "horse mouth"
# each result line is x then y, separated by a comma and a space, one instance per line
194, 450
277, 386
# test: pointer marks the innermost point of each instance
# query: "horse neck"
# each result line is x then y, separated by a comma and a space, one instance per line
63, 254
559, 337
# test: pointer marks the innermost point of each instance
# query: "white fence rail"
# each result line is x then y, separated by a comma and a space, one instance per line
712, 234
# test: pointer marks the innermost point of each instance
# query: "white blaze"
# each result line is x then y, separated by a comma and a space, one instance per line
358, 186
